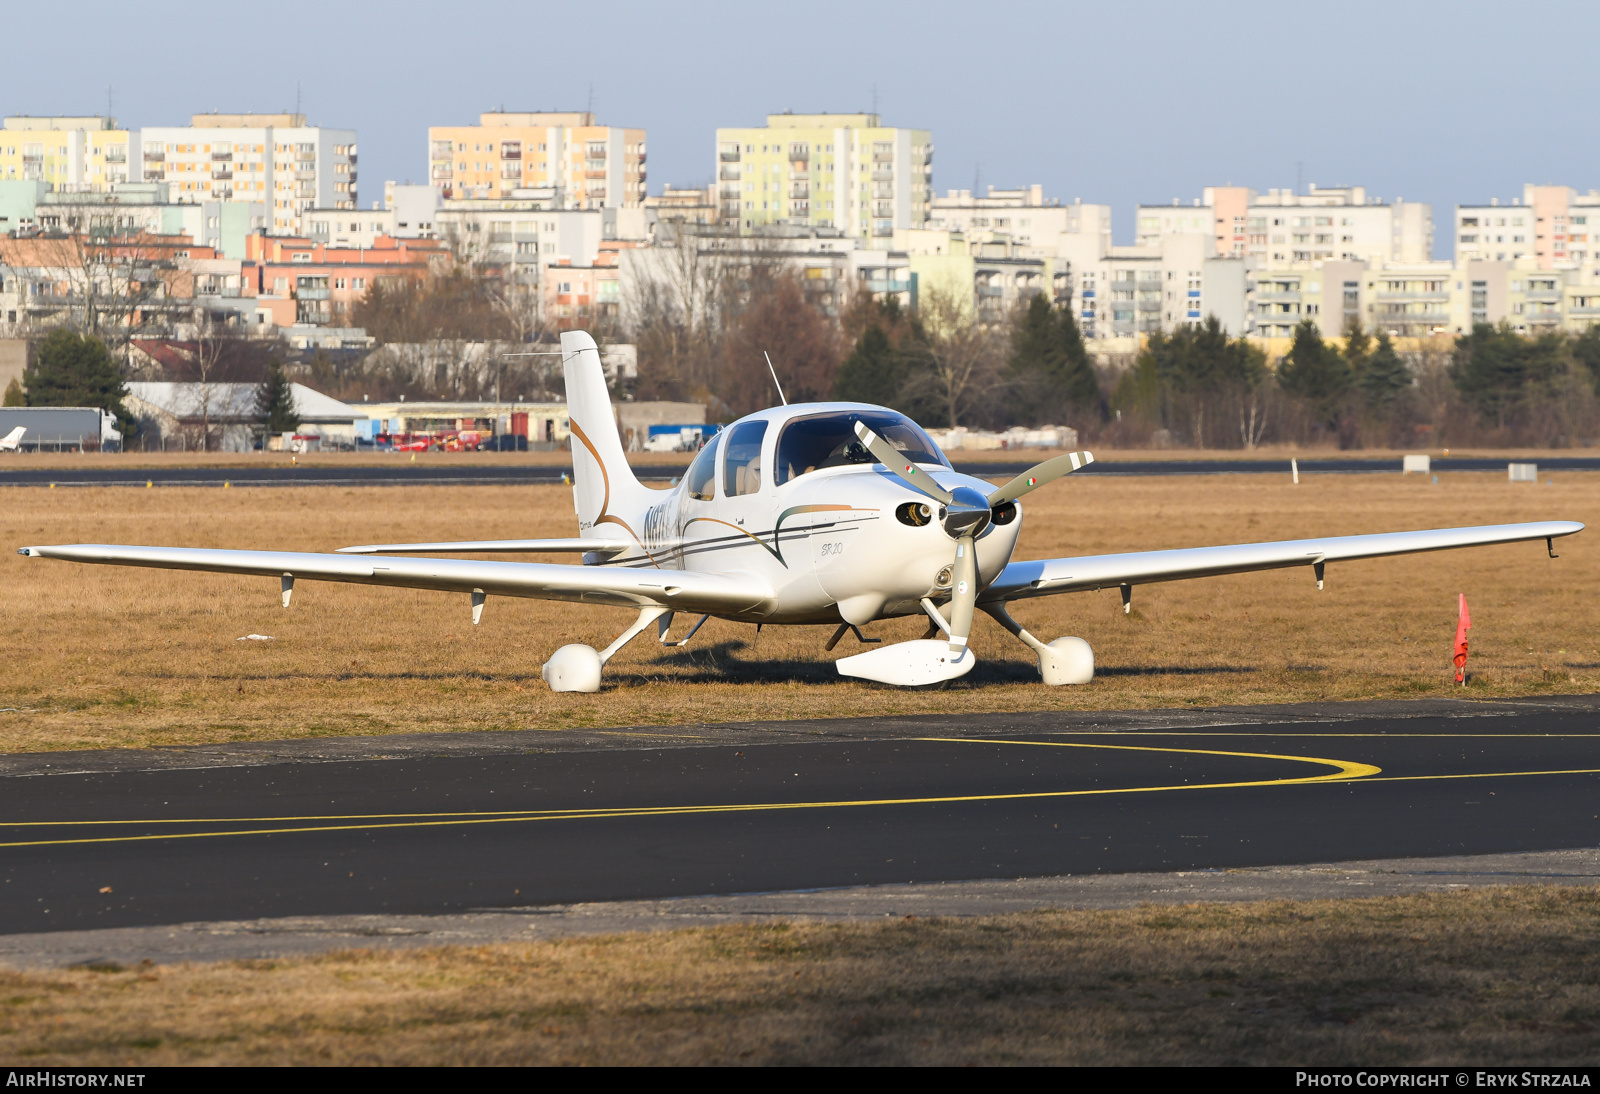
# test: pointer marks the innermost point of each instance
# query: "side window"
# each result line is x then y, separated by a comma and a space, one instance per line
741, 467
701, 476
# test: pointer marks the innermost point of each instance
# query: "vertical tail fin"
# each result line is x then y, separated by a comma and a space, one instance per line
603, 485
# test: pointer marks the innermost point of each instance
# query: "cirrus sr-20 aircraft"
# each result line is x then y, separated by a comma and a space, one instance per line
819, 513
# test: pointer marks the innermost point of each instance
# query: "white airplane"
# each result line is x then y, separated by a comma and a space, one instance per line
13, 440
821, 513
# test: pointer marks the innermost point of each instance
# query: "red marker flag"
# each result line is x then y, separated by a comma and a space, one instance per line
1463, 625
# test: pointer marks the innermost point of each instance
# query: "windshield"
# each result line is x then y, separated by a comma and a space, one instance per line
829, 440
702, 471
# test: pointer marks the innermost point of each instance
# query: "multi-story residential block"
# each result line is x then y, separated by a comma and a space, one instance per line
414, 208
844, 171
1282, 227
135, 208
586, 166
359, 228
305, 283
272, 158
691, 206
1023, 215
68, 154
1555, 225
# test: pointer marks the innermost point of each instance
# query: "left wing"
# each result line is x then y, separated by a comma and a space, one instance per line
1045, 577
680, 590
477, 546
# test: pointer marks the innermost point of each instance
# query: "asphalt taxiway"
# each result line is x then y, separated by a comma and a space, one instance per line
452, 824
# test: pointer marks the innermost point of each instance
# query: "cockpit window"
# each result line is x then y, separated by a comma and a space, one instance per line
741, 467
829, 440
702, 473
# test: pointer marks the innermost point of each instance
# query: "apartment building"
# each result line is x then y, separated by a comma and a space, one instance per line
583, 165
1551, 224
844, 171
68, 154
275, 159
1284, 227
305, 283
1023, 215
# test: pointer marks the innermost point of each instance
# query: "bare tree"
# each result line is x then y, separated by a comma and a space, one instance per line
962, 355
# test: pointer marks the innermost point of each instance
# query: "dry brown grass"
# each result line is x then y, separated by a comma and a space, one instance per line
1436, 979
102, 656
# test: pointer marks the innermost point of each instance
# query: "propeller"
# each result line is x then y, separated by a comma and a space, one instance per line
965, 515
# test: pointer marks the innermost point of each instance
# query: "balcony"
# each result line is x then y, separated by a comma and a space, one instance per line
883, 176
725, 157
729, 174
800, 209
880, 285
730, 209
990, 291
305, 176
154, 175
305, 157
1149, 305
883, 157
1285, 297
1543, 296
595, 174
883, 210
1440, 297
221, 157
155, 157
799, 176
311, 294
801, 191
222, 174
505, 155
442, 171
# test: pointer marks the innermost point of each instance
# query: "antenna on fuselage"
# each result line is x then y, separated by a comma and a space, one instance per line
774, 372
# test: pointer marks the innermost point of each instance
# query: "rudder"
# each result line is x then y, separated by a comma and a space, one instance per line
610, 500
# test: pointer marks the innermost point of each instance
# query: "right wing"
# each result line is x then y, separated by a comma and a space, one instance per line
524, 546
1048, 576
680, 590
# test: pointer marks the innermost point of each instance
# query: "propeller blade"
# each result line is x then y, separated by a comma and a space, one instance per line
895, 460
963, 594
1035, 477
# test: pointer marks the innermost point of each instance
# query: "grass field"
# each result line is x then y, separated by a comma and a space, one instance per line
1436, 979
102, 656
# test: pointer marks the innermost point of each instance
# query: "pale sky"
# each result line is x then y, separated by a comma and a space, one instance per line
1109, 102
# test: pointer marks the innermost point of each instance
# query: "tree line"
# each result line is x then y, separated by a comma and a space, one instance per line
705, 317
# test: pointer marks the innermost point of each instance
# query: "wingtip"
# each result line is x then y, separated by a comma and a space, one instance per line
364, 550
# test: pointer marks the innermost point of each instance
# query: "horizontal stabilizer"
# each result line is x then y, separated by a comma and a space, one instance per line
524, 546
908, 664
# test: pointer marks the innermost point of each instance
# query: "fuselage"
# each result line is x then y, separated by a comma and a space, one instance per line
835, 535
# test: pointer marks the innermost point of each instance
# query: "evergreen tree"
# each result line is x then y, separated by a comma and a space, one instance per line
1586, 351
1384, 377
1315, 372
1357, 348
14, 396
1080, 383
275, 403
1498, 371
874, 371
1049, 367
76, 370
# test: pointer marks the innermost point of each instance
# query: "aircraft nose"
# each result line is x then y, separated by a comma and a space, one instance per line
967, 513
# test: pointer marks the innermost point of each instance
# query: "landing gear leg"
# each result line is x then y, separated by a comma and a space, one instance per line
1064, 661
577, 667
